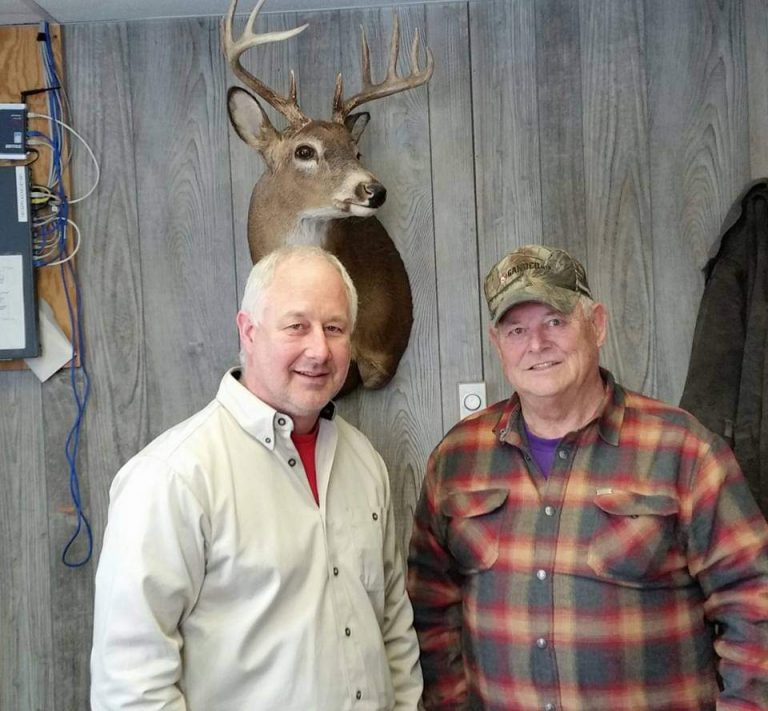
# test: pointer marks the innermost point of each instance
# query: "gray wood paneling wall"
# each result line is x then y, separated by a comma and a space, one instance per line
619, 129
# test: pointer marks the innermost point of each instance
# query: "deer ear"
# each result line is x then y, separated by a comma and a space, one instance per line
356, 123
249, 119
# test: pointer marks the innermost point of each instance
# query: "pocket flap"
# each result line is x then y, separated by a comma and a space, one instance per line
465, 504
630, 503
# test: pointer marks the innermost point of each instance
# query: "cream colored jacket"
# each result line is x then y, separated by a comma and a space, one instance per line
222, 586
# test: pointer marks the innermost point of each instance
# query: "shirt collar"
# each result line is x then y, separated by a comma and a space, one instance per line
509, 427
254, 415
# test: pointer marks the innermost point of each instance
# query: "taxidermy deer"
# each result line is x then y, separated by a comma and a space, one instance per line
315, 190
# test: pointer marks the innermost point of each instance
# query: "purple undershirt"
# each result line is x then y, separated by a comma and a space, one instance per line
543, 450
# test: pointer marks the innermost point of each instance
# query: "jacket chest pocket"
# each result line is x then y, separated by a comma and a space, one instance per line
359, 541
475, 519
634, 536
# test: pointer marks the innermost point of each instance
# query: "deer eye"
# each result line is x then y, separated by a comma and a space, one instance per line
304, 152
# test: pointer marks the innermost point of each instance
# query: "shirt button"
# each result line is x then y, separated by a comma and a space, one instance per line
541, 574
267, 440
281, 421
292, 462
358, 695
347, 631
563, 454
549, 510
549, 707
541, 643
335, 570
375, 516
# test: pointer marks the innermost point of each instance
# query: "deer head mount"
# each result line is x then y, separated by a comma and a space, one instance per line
316, 190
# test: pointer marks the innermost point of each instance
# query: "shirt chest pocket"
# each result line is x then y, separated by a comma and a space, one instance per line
474, 525
359, 540
634, 536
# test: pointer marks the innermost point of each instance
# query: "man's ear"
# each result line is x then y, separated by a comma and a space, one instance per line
493, 334
245, 329
600, 323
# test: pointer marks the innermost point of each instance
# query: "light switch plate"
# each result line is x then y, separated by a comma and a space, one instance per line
471, 398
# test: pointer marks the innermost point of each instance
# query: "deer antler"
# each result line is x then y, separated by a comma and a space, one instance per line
287, 105
392, 83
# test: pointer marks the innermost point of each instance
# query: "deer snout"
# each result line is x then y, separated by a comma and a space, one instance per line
375, 194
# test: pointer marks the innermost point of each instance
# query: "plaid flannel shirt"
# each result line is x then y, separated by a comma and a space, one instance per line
623, 581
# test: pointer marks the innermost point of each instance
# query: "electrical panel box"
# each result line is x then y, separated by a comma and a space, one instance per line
19, 336
13, 120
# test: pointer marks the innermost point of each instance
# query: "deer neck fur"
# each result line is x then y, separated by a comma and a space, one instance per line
309, 230
274, 221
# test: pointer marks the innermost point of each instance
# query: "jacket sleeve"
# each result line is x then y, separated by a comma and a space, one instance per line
149, 574
435, 590
399, 636
728, 554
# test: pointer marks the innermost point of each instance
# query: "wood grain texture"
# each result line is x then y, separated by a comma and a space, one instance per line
698, 157
26, 634
506, 137
71, 589
319, 50
756, 28
116, 423
558, 77
459, 285
185, 214
617, 184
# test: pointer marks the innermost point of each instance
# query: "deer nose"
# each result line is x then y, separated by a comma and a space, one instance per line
376, 194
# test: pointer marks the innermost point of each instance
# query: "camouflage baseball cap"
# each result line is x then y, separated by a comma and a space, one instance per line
535, 273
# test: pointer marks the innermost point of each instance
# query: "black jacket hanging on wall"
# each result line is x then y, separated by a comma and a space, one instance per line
727, 383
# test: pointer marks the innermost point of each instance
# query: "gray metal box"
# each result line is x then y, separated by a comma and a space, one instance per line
19, 336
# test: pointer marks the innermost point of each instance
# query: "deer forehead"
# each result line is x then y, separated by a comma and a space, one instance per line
332, 141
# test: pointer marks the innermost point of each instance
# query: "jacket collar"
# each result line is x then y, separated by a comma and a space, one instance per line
509, 427
254, 415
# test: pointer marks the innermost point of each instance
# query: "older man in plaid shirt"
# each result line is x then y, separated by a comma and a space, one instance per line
581, 546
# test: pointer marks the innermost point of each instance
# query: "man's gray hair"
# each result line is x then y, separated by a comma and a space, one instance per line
587, 306
263, 273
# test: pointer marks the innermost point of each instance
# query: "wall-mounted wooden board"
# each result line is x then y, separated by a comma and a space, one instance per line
23, 71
